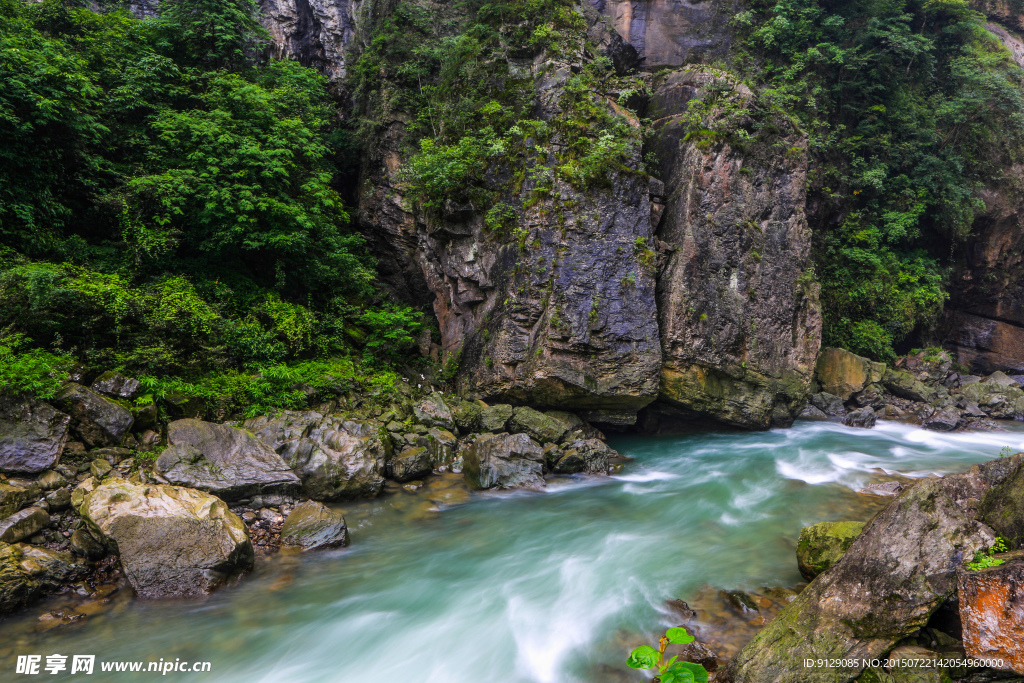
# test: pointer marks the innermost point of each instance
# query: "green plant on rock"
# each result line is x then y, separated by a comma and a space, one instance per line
671, 671
983, 560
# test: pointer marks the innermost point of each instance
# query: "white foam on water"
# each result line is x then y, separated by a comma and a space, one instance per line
642, 477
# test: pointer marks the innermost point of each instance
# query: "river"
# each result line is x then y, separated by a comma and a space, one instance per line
522, 587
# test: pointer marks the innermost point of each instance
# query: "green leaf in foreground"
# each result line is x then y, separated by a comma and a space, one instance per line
678, 636
643, 657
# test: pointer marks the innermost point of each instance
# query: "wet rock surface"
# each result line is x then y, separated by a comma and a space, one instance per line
504, 461
226, 461
32, 434
95, 420
313, 525
820, 546
172, 541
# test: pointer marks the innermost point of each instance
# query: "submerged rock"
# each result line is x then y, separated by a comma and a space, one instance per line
27, 572
820, 546
32, 434
228, 462
503, 461
335, 458
172, 541
313, 525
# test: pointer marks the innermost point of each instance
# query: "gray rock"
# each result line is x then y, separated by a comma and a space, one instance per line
116, 385
228, 462
495, 418
811, 413
183, 406
942, 420
411, 463
112, 455
538, 426
23, 524
172, 541
336, 459
96, 420
862, 417
434, 412
503, 461
998, 396
313, 525
32, 434
829, 404
576, 424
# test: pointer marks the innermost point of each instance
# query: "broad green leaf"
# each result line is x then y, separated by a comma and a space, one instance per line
677, 674
643, 657
679, 636
698, 674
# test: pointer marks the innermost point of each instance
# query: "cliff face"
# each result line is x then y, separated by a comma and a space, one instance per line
738, 312
984, 320
672, 32
316, 32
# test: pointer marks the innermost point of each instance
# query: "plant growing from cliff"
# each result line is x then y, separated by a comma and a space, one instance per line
671, 671
1005, 452
983, 560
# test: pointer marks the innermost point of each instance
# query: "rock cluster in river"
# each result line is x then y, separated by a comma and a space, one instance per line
167, 518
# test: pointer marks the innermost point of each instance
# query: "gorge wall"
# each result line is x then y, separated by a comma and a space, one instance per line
675, 292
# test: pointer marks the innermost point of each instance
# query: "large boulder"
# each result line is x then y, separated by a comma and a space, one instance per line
172, 541
226, 461
998, 395
862, 417
495, 418
843, 374
313, 525
32, 434
95, 420
411, 463
992, 611
503, 461
116, 385
821, 545
894, 575
336, 458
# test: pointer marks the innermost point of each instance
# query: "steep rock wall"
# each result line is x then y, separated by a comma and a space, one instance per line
318, 33
738, 310
672, 32
984, 320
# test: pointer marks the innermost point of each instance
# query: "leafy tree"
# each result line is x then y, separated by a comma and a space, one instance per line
213, 33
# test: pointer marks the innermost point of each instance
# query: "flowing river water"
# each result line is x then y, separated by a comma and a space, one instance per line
541, 587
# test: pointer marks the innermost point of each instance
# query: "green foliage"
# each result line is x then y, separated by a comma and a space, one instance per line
910, 107
671, 671
983, 560
1005, 452
214, 33
167, 207
30, 371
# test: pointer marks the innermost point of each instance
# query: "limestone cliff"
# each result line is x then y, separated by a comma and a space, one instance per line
738, 310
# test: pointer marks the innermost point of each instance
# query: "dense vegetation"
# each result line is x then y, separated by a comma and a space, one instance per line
168, 208
911, 106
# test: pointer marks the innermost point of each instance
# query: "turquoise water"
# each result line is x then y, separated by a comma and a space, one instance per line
524, 587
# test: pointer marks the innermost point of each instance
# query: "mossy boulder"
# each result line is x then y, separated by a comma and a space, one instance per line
540, 427
411, 463
998, 395
27, 572
905, 385
843, 374
313, 525
14, 498
23, 524
433, 411
821, 545
495, 418
172, 541
1002, 506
